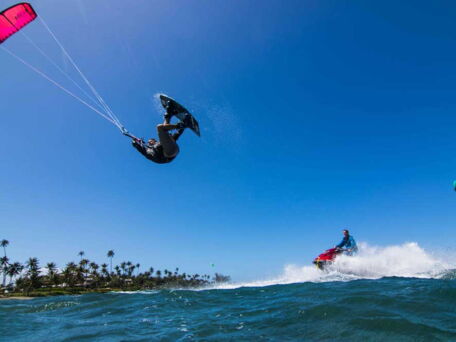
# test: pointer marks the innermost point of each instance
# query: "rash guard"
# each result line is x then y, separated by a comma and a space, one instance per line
349, 243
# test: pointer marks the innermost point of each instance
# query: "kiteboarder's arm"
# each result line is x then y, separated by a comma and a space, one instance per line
139, 145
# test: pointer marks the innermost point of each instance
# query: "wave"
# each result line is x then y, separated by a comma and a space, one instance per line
408, 260
147, 292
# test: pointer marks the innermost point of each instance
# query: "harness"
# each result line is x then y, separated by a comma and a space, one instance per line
153, 153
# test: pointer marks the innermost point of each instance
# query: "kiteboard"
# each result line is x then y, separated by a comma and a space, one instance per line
179, 111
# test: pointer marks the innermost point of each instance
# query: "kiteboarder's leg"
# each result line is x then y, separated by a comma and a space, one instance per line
170, 148
178, 133
167, 117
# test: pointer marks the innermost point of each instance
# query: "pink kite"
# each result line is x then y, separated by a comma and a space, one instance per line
15, 18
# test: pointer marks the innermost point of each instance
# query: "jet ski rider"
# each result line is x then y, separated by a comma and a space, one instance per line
348, 243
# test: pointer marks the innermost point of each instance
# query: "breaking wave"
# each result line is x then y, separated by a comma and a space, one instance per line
408, 260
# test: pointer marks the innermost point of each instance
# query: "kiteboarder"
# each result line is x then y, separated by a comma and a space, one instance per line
348, 242
164, 150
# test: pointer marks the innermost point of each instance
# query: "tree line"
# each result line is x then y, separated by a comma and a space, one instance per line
85, 274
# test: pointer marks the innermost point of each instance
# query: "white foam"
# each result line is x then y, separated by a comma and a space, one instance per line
406, 260
148, 292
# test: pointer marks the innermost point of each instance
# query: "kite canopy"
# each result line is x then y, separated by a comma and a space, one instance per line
15, 18
12, 20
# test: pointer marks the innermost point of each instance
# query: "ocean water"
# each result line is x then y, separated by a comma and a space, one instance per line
365, 298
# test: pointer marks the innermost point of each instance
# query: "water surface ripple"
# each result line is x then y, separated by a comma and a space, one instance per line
388, 309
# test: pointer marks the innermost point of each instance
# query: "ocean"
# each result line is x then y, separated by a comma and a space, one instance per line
414, 300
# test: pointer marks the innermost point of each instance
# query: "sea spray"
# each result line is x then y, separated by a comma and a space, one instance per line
392, 293
372, 262
407, 260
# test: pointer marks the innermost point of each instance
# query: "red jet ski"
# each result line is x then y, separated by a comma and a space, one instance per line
327, 257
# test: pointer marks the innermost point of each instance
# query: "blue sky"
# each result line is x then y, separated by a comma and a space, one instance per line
315, 116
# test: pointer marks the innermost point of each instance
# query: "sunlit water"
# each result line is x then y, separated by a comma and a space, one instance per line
371, 297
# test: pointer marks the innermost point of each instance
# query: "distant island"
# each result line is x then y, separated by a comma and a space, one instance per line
85, 276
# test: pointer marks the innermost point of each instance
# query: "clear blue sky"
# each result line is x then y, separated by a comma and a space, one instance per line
315, 116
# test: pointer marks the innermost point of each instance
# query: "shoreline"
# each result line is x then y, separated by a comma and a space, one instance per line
53, 292
16, 297
41, 293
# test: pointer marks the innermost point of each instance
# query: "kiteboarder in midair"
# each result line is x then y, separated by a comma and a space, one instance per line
166, 149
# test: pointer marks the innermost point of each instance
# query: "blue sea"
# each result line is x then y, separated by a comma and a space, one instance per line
351, 302
389, 309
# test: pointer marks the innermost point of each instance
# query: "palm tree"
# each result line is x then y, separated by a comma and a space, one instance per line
123, 265
13, 270
70, 273
110, 256
52, 272
33, 271
33, 265
137, 267
130, 267
82, 268
80, 274
104, 270
4, 262
94, 266
94, 273
81, 254
51, 267
67, 277
4, 243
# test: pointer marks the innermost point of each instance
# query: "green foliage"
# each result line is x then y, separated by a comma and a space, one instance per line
87, 276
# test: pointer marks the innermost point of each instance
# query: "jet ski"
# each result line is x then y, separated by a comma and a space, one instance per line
327, 257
